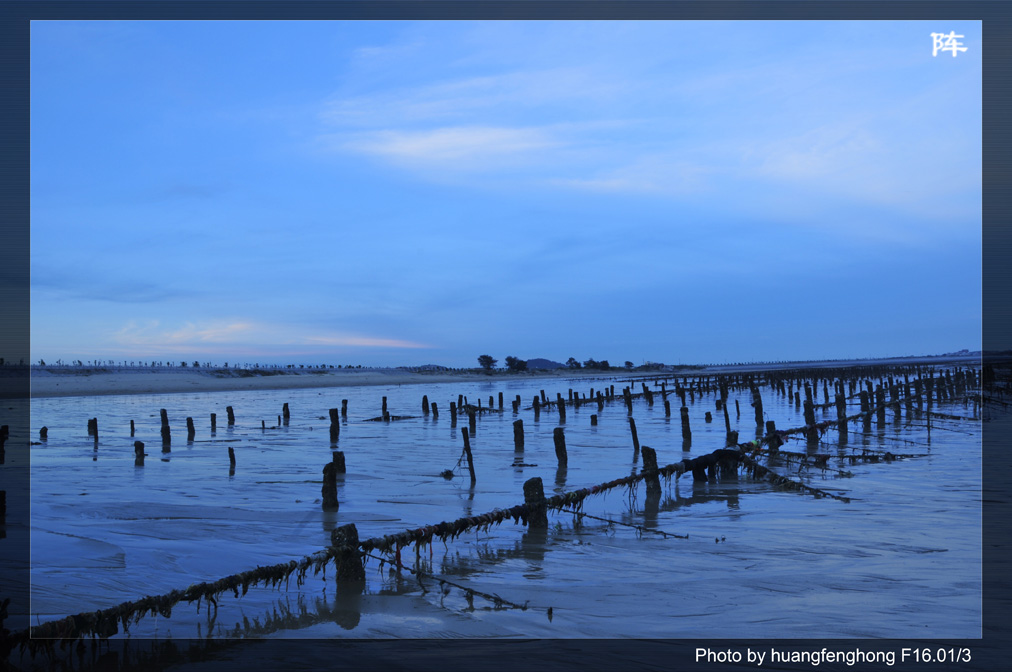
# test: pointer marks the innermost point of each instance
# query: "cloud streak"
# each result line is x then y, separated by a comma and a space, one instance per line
192, 337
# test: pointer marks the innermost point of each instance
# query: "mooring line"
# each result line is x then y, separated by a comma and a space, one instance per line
499, 602
618, 522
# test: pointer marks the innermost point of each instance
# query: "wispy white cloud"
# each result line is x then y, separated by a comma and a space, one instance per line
218, 336
452, 147
657, 175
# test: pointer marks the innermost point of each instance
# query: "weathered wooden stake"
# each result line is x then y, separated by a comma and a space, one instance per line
500, 401
708, 417
348, 558
337, 457
467, 452
537, 508
686, 432
435, 411
650, 465
732, 438
214, 423
561, 403
131, 428
191, 431
166, 436
344, 408
635, 437
593, 420
667, 408
472, 421
537, 408
425, 404
771, 432
335, 426
138, 454
44, 433
560, 446
285, 413
231, 415
329, 489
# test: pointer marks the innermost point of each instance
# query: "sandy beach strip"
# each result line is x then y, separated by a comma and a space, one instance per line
73, 381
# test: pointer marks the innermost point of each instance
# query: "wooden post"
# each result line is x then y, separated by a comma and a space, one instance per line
191, 431
337, 457
385, 414
435, 411
214, 423
561, 403
737, 408
880, 402
348, 558
472, 422
335, 426
425, 404
771, 433
686, 432
93, 427
518, 436
231, 415
44, 434
732, 438
329, 489
500, 401
534, 500
628, 399
467, 451
757, 403
635, 437
344, 408
138, 454
166, 436
667, 408
560, 446
131, 428
593, 420
537, 408
285, 413
708, 417
653, 481
263, 425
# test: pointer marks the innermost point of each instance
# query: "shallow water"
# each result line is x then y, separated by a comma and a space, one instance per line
901, 559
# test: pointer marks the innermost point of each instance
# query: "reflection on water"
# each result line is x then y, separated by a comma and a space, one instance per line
193, 515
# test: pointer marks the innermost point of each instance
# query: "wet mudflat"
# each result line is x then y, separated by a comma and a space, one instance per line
900, 559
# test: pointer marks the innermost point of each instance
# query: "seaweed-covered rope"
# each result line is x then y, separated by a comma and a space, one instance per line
105, 623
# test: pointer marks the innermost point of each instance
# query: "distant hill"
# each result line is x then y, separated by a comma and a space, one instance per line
544, 364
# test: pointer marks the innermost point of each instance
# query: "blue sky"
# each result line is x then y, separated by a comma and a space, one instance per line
395, 192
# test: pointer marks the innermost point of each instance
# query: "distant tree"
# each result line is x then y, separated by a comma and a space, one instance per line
196, 365
628, 364
486, 362
42, 362
603, 365
516, 365
591, 363
572, 363
182, 363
